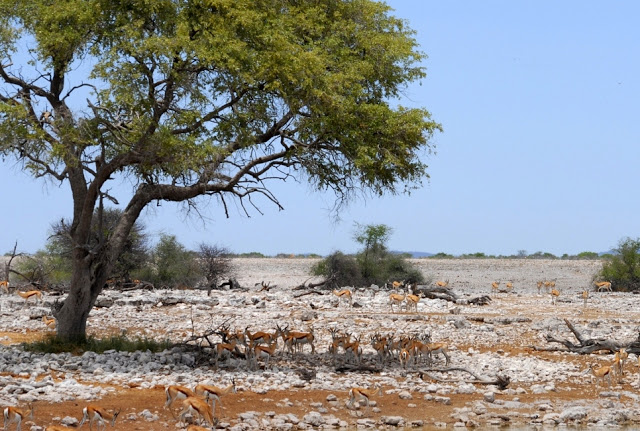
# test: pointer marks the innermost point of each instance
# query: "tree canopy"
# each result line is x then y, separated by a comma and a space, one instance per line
195, 98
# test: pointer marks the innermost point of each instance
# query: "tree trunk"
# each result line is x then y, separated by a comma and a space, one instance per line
72, 317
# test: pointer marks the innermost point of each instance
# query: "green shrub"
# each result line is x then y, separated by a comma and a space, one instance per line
623, 268
53, 344
339, 270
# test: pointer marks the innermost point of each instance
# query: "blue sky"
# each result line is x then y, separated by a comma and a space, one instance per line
540, 103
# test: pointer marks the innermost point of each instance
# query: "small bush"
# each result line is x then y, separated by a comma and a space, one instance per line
623, 268
339, 270
54, 344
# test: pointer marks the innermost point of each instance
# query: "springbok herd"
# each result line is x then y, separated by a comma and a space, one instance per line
389, 329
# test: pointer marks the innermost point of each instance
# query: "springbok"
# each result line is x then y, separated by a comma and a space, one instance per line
603, 285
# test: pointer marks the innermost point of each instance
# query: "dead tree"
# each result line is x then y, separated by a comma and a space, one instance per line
500, 381
588, 345
436, 292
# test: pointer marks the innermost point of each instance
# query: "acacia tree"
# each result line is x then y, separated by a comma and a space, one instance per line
199, 98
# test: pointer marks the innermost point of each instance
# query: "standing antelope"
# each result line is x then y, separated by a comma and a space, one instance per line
396, 299
4, 284
555, 293
344, 293
494, 286
412, 302
264, 352
96, 413
509, 286
601, 372
585, 296
603, 285
16, 415
35, 294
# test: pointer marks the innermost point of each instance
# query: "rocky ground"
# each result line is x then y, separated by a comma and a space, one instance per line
551, 388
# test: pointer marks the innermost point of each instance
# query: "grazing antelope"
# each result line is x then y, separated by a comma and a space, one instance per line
344, 293
361, 394
442, 283
603, 285
585, 296
601, 372
494, 286
396, 299
176, 392
4, 284
197, 406
35, 294
16, 415
554, 296
96, 413
50, 322
214, 393
412, 302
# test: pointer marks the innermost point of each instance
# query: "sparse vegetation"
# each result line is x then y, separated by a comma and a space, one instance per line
623, 268
54, 344
373, 265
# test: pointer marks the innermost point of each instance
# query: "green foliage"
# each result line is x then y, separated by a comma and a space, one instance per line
132, 257
250, 254
442, 255
588, 255
44, 268
374, 239
171, 265
623, 268
477, 255
54, 344
339, 270
216, 101
372, 265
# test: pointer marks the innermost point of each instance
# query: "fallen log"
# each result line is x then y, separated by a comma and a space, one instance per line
587, 346
357, 368
500, 381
